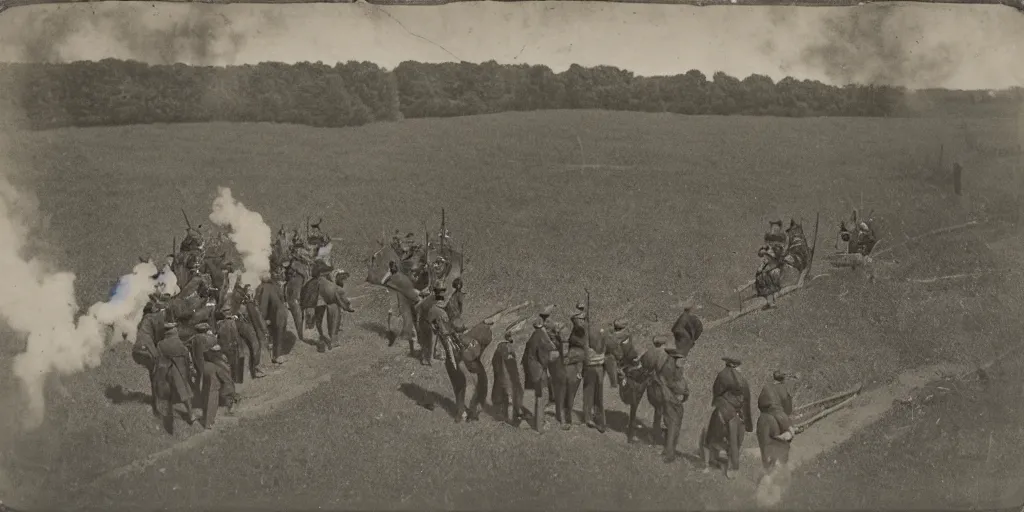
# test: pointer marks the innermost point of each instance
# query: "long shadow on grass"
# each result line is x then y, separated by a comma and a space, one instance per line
618, 421
426, 398
119, 395
380, 330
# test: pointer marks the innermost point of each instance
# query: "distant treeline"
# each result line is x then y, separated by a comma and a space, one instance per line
118, 92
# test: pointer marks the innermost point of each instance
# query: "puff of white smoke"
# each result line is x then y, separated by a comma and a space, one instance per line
249, 233
772, 486
41, 305
167, 282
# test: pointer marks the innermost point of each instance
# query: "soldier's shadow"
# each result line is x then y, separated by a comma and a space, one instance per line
618, 421
118, 395
426, 398
288, 343
379, 330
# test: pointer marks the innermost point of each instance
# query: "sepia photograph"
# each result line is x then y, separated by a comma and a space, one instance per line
511, 255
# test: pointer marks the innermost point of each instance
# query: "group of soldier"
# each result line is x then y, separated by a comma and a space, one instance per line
193, 343
558, 359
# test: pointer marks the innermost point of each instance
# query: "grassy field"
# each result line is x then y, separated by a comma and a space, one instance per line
654, 208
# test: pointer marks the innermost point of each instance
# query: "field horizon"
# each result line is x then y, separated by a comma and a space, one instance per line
643, 210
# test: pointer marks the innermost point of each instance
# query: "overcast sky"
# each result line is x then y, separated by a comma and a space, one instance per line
914, 45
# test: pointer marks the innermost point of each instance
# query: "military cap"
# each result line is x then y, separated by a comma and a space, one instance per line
581, 306
538, 324
775, 222
439, 287
550, 308
424, 293
203, 326
457, 282
620, 324
342, 274
170, 325
659, 340
459, 326
779, 375
731, 361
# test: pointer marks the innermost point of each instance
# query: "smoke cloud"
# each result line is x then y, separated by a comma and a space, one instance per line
189, 33
249, 233
771, 487
40, 304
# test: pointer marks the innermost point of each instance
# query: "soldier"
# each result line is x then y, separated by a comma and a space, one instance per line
775, 430
469, 347
593, 382
408, 297
330, 303
424, 333
217, 384
150, 331
776, 238
554, 332
506, 381
731, 417
454, 306
274, 310
574, 362
687, 329
172, 376
617, 337
539, 351
675, 392
768, 275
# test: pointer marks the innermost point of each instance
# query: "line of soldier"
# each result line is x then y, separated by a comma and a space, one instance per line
192, 344
558, 364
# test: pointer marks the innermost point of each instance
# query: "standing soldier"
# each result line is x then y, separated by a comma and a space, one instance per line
669, 377
408, 297
149, 332
554, 331
687, 329
540, 350
618, 337
171, 376
217, 384
273, 308
593, 382
731, 416
574, 362
775, 430
506, 381
424, 333
454, 306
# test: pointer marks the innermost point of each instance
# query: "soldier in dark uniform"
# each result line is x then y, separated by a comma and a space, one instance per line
508, 389
555, 335
272, 307
574, 361
675, 393
172, 376
775, 430
539, 351
217, 385
687, 329
150, 331
408, 297
731, 417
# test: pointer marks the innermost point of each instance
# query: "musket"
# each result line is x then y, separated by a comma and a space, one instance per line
443, 232
589, 342
187, 223
174, 246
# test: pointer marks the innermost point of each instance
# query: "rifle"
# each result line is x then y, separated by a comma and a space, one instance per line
187, 223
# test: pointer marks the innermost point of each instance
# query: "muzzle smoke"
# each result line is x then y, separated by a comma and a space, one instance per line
249, 233
40, 303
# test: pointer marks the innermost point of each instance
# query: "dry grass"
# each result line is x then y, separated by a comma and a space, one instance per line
679, 208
